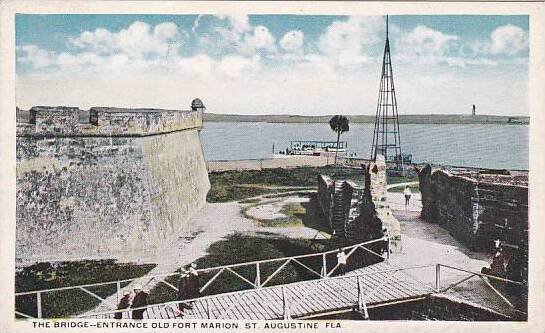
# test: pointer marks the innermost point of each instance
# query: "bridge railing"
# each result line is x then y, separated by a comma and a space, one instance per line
289, 300
515, 300
320, 265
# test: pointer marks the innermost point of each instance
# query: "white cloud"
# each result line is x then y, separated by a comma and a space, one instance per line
259, 39
346, 40
424, 42
136, 41
292, 41
196, 23
242, 85
129, 67
508, 39
240, 23
236, 66
200, 65
70, 61
239, 36
34, 56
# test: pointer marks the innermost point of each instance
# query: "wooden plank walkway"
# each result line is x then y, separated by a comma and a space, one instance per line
301, 299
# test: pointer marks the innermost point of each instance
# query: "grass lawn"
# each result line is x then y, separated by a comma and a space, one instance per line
233, 185
293, 215
397, 180
306, 213
64, 303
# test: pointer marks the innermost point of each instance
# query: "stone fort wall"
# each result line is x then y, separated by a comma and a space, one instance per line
119, 185
478, 207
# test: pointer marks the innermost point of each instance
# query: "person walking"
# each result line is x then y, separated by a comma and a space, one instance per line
124, 303
140, 300
341, 260
408, 194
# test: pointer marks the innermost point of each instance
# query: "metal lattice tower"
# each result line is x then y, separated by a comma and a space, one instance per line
386, 138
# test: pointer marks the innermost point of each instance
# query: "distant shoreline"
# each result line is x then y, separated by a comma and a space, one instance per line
360, 119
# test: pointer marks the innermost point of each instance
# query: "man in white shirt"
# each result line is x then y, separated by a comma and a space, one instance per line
408, 194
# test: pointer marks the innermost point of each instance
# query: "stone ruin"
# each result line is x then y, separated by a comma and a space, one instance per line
359, 212
479, 207
106, 182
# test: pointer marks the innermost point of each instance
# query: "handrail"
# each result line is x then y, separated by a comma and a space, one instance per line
482, 277
485, 275
202, 270
343, 277
348, 276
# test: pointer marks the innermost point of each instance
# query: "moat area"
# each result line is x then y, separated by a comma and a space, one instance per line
275, 213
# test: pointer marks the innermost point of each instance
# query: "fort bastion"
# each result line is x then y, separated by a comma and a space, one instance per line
107, 182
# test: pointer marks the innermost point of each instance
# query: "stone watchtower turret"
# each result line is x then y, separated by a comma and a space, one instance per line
197, 105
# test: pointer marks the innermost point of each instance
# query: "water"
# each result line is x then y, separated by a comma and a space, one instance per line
486, 146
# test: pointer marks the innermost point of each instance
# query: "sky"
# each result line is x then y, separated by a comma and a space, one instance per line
273, 64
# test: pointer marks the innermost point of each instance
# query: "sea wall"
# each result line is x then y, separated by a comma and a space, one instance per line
269, 163
118, 188
478, 207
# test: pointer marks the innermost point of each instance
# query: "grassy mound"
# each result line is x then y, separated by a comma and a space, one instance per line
226, 186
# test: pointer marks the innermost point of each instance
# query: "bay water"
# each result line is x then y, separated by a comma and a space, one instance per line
486, 146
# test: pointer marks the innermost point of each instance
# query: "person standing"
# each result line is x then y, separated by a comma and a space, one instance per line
183, 291
341, 260
140, 300
193, 282
385, 242
408, 194
124, 303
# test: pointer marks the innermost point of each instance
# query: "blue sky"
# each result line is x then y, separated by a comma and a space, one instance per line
263, 64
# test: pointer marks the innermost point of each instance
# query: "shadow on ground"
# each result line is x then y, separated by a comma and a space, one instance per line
313, 217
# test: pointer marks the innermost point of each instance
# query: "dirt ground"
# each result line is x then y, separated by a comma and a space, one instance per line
421, 237
426, 243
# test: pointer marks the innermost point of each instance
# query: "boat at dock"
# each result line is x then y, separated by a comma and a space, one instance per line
314, 148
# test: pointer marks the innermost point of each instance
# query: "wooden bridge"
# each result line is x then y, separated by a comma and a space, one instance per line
372, 286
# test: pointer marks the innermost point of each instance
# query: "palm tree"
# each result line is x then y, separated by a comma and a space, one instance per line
338, 124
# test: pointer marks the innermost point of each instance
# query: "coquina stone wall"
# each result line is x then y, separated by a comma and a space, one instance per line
478, 207
121, 186
359, 212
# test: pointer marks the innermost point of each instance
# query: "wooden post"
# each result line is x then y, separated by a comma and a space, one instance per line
359, 293
324, 265
118, 284
257, 276
388, 247
362, 307
285, 304
438, 277
39, 304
